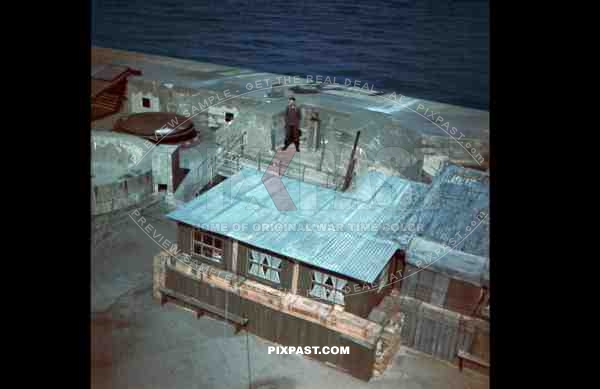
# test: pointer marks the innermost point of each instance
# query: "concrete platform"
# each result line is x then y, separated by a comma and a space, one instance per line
136, 343
396, 131
352, 100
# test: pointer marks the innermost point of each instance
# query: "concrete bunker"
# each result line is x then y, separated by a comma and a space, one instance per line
121, 171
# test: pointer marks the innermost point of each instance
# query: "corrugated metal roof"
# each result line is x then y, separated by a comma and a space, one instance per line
424, 253
322, 232
453, 213
352, 233
457, 206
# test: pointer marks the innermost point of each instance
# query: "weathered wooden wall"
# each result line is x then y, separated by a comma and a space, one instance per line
362, 303
279, 327
462, 297
440, 290
360, 299
184, 238
442, 333
285, 276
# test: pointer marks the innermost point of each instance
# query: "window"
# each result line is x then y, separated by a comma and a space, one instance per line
228, 117
264, 266
327, 287
207, 246
146, 102
162, 187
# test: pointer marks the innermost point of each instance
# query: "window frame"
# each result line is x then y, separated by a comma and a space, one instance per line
250, 261
203, 244
330, 300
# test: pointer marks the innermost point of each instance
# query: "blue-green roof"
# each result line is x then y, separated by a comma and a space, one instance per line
334, 231
349, 232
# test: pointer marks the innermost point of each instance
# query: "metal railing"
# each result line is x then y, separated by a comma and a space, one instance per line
231, 163
231, 159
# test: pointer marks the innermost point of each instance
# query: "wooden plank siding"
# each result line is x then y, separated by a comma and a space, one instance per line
184, 238
398, 268
442, 333
285, 275
437, 289
462, 297
279, 327
361, 298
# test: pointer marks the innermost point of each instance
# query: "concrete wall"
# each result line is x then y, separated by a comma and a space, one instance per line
112, 196
137, 90
465, 151
165, 167
208, 113
121, 169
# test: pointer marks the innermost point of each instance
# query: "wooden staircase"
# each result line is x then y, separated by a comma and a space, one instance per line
108, 95
108, 101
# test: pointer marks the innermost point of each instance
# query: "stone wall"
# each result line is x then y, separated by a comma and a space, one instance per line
158, 274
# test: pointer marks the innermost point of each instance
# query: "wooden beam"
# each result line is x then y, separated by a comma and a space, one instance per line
350, 171
295, 276
462, 355
234, 255
203, 306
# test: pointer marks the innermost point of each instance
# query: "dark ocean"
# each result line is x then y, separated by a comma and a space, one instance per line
435, 50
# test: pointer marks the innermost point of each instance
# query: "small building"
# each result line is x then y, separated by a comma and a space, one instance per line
317, 275
327, 276
445, 291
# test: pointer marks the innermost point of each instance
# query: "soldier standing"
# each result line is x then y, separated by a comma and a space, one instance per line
292, 125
